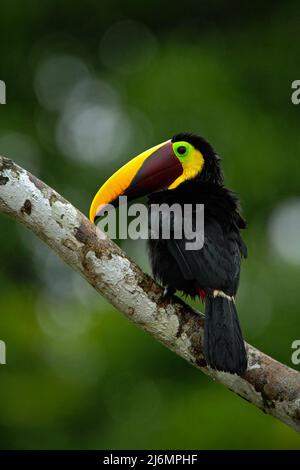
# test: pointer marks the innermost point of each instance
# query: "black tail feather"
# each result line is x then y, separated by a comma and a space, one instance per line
224, 347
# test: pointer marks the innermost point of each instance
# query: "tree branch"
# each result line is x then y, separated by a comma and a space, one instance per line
268, 384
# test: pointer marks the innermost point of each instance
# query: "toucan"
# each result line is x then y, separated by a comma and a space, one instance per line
187, 170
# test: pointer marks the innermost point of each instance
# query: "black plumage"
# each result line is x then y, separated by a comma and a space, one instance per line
214, 270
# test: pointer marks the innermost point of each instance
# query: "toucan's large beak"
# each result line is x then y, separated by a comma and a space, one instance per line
152, 170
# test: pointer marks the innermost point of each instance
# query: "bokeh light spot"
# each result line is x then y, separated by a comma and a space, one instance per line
55, 76
284, 230
93, 127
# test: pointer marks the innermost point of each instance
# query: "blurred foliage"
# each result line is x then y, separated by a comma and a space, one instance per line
88, 86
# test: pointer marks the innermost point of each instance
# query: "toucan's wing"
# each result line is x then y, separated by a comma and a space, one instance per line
217, 264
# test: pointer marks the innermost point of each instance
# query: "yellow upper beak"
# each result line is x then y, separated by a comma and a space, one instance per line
153, 169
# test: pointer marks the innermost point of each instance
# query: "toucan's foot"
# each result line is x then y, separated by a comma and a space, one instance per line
168, 291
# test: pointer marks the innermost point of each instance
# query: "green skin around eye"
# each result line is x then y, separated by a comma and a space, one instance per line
188, 147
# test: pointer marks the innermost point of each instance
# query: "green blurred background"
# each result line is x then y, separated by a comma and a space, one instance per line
89, 85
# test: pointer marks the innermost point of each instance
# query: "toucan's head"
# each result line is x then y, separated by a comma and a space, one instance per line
165, 166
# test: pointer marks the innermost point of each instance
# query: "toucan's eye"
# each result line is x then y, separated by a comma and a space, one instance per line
181, 150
